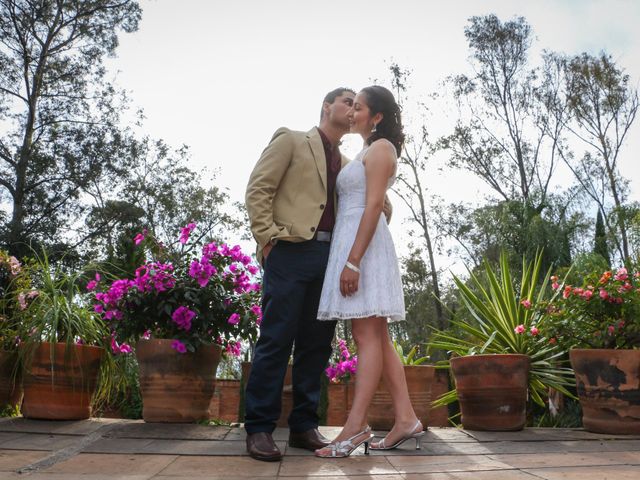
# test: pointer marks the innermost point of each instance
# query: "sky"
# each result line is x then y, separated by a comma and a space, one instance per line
222, 76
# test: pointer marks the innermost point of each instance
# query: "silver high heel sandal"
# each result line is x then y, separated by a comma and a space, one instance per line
346, 447
417, 436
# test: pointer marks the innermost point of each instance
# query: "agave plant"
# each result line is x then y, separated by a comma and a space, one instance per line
508, 321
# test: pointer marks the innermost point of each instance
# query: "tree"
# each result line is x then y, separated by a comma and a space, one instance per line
603, 106
61, 113
508, 133
600, 241
412, 164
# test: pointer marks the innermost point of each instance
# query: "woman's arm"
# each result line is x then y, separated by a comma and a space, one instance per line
379, 166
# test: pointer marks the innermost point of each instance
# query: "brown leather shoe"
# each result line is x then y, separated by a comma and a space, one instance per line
309, 440
262, 447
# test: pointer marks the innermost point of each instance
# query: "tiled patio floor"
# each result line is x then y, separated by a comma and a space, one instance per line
133, 450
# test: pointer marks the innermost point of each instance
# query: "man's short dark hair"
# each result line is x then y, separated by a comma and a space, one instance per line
332, 95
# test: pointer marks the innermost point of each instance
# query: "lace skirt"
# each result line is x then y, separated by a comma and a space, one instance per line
380, 287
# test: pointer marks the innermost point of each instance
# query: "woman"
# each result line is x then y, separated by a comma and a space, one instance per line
362, 282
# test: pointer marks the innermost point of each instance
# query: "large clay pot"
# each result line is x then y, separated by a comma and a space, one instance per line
492, 390
608, 383
419, 379
61, 387
225, 403
176, 387
339, 400
10, 384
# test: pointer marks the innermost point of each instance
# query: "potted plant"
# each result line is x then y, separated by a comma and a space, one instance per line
501, 356
598, 319
182, 307
10, 282
61, 344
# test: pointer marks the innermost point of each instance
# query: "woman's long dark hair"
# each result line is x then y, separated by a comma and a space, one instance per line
380, 100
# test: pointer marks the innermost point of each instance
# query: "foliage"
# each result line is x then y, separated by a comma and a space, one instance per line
343, 366
506, 321
603, 312
180, 294
12, 281
61, 115
119, 388
410, 358
600, 240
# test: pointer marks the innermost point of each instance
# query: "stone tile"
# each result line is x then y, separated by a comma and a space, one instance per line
196, 466
566, 459
436, 434
41, 441
342, 477
607, 472
67, 427
8, 437
170, 431
354, 465
447, 463
211, 448
542, 434
485, 475
504, 447
86, 476
115, 464
118, 445
12, 460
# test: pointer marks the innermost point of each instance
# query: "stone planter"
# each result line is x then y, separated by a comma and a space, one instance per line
492, 390
608, 383
61, 387
176, 387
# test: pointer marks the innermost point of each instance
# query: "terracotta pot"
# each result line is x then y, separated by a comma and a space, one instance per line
61, 390
339, 400
225, 403
492, 390
439, 416
608, 383
176, 387
419, 379
10, 384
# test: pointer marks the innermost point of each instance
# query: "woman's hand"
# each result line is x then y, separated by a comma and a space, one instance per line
348, 282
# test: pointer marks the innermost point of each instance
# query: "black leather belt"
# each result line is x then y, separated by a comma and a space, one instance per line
321, 236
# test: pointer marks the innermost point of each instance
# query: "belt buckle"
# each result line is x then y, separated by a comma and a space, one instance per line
321, 236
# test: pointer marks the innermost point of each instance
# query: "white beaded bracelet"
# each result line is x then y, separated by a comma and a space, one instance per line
351, 266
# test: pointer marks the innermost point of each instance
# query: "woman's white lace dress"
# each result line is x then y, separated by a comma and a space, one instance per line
380, 289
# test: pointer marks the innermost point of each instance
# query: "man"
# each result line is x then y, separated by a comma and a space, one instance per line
291, 204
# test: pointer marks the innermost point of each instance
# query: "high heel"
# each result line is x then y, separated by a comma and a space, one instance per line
417, 436
346, 447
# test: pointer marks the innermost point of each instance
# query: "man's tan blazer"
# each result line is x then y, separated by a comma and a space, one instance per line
287, 189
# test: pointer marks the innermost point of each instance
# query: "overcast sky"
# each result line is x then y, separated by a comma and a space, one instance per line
222, 76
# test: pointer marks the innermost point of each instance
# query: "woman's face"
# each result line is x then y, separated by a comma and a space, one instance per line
360, 119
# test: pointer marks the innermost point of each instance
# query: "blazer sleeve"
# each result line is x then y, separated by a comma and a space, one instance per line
263, 185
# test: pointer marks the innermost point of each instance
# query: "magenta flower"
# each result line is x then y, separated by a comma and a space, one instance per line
185, 232
182, 316
519, 329
234, 319
178, 346
526, 304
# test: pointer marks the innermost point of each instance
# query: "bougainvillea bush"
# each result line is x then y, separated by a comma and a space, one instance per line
192, 292
344, 366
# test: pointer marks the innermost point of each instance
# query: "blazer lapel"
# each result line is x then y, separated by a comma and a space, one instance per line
317, 149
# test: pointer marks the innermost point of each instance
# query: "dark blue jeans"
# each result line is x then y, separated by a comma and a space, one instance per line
292, 283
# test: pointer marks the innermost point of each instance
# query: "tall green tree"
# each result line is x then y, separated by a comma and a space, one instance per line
61, 113
600, 241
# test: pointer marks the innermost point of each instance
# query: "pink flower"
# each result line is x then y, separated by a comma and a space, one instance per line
234, 319
621, 274
567, 291
185, 232
22, 301
146, 335
93, 283
182, 316
117, 348
611, 329
178, 346
14, 265
555, 285
534, 331
252, 269
138, 239
519, 329
526, 304
587, 294
552, 341
603, 294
